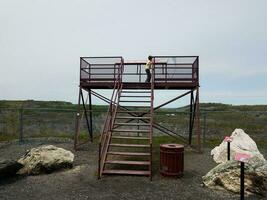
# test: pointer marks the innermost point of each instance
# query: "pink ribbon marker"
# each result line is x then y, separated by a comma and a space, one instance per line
228, 139
242, 157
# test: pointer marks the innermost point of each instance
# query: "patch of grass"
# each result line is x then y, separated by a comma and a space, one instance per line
212, 142
165, 139
262, 144
7, 137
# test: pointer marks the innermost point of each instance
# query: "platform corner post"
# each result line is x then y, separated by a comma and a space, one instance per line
91, 115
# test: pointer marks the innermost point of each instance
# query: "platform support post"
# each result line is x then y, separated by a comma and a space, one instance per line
86, 117
242, 180
91, 115
228, 150
190, 118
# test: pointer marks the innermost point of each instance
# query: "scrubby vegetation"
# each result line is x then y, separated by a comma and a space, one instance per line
57, 118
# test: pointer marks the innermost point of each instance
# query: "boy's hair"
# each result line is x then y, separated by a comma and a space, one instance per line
150, 58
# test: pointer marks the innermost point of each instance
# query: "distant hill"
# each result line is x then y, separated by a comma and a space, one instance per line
42, 104
68, 105
226, 107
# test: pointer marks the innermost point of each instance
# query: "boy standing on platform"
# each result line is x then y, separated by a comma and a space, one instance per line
148, 66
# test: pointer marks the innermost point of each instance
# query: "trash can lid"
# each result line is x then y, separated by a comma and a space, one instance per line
172, 146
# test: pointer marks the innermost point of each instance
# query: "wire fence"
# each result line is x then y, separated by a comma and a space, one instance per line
32, 122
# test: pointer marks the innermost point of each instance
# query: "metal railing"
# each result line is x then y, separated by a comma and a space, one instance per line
171, 69
110, 118
167, 69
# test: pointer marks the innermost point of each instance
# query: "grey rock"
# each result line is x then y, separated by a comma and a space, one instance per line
227, 176
45, 159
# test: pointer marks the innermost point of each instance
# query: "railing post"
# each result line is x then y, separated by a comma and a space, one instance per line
228, 150
242, 158
242, 180
193, 65
197, 70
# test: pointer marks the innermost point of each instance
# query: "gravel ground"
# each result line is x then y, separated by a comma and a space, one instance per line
81, 182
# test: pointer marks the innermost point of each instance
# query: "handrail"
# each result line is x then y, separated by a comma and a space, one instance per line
109, 121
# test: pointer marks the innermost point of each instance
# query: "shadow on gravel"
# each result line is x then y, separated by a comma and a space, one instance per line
11, 179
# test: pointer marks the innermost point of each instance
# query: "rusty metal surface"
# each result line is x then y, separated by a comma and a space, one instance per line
172, 160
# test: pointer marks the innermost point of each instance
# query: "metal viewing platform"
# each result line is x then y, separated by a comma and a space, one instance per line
130, 116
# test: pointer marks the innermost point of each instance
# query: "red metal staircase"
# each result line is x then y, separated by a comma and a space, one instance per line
126, 142
126, 138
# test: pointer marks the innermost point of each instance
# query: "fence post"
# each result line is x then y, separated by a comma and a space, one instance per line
21, 125
204, 128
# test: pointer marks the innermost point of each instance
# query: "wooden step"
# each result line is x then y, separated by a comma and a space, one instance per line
127, 162
134, 111
130, 130
130, 145
128, 153
136, 107
127, 172
136, 96
132, 124
122, 117
148, 91
130, 138
135, 101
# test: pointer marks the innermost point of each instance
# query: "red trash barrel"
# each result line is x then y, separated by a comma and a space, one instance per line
172, 160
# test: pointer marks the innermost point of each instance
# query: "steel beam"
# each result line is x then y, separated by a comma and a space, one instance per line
90, 114
155, 125
86, 117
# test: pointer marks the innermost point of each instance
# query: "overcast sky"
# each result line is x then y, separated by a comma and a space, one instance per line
41, 42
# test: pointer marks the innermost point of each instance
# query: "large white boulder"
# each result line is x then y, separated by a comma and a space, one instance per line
226, 175
45, 159
241, 143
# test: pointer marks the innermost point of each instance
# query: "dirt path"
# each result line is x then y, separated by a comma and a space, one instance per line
81, 182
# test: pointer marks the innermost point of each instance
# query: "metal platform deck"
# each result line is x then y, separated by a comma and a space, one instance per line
138, 85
